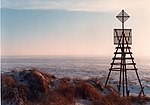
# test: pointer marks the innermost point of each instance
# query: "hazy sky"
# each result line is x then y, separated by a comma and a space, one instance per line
71, 27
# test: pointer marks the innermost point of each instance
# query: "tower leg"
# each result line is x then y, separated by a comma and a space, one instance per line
127, 91
119, 82
123, 81
142, 91
107, 78
111, 68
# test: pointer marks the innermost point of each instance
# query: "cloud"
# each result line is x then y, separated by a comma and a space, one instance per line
77, 5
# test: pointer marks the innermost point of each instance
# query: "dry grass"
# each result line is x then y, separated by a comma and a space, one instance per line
112, 99
33, 89
66, 89
139, 100
63, 94
57, 98
8, 80
8, 84
87, 91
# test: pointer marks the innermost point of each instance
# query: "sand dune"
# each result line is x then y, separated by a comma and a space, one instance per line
33, 87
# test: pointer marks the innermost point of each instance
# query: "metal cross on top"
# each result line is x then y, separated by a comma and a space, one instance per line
122, 16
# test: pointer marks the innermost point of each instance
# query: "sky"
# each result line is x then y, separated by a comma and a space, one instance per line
71, 27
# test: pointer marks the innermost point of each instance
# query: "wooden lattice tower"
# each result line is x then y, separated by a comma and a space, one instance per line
123, 59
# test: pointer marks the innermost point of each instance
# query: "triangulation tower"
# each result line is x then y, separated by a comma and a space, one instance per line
123, 59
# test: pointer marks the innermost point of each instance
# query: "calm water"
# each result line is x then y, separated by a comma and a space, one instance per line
82, 67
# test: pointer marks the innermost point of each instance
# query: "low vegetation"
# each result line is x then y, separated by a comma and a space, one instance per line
33, 87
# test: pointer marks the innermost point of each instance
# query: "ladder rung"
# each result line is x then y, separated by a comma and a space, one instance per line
129, 64
121, 52
115, 63
132, 69
124, 47
115, 69
123, 64
119, 58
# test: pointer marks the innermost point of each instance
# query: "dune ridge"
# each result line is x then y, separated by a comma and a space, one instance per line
35, 87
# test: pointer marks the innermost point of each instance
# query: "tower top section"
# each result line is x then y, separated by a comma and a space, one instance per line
122, 16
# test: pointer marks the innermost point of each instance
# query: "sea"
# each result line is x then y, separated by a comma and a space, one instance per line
80, 67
